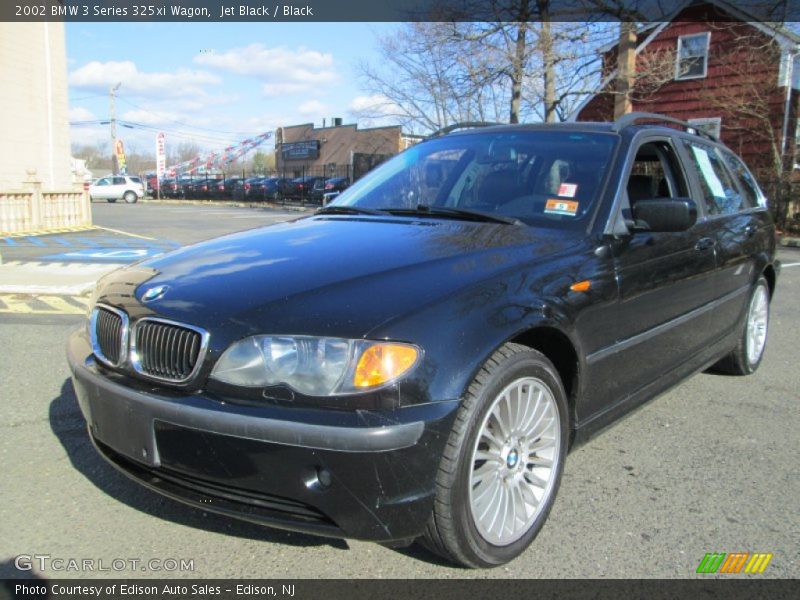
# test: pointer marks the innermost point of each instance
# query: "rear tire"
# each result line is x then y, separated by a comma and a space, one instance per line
745, 358
502, 464
130, 197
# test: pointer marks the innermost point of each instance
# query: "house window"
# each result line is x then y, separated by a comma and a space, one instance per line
711, 125
692, 60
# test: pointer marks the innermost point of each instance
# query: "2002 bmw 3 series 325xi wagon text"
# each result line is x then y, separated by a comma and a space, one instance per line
415, 360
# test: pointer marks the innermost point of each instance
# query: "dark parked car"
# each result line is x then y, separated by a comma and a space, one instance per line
200, 188
268, 188
223, 188
243, 190
415, 360
301, 187
330, 186
170, 188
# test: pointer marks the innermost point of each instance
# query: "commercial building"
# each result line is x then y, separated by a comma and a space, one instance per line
336, 151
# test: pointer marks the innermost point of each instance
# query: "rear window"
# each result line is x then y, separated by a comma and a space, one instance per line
135, 180
720, 192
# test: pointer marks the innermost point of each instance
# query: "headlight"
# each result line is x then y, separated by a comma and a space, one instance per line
315, 366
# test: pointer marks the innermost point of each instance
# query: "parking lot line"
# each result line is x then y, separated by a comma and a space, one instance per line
61, 305
15, 304
136, 235
45, 304
797, 264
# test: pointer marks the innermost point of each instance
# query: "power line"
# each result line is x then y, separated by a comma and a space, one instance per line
155, 114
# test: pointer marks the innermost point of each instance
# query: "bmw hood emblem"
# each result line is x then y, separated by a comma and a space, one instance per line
154, 293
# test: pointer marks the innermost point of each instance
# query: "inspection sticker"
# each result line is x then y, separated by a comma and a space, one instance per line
568, 190
561, 207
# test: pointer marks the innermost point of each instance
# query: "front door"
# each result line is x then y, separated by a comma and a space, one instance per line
665, 280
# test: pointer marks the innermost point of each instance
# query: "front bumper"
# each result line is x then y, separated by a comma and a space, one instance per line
357, 474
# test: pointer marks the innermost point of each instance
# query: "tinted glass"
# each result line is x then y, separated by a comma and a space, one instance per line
548, 178
720, 192
119, 181
135, 180
747, 184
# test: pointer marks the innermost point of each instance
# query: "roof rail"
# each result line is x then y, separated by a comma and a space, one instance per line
464, 125
631, 118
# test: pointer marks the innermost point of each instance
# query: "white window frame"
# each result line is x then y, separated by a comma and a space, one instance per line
702, 122
678, 75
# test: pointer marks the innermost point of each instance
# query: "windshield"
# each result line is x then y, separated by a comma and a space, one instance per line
547, 178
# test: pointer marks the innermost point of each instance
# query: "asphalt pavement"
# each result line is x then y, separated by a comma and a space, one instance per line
709, 467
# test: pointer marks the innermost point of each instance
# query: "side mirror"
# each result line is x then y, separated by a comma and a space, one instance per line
664, 214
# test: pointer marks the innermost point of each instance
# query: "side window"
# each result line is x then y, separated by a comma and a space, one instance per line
720, 192
103, 181
656, 173
119, 181
751, 197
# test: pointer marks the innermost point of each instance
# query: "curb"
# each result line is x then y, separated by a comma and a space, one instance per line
38, 232
233, 203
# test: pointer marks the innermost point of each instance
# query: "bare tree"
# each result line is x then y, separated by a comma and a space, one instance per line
426, 80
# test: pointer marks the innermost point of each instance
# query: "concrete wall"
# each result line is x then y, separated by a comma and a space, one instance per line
33, 107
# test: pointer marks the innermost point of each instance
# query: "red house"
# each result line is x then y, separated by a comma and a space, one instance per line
715, 66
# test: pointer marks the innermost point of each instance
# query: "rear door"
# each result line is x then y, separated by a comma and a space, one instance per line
117, 188
737, 212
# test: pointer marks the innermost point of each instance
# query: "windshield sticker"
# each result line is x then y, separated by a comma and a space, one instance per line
561, 207
568, 190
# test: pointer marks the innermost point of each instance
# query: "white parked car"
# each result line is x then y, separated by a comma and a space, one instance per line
117, 187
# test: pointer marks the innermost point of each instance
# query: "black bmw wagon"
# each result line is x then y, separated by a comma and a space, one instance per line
415, 360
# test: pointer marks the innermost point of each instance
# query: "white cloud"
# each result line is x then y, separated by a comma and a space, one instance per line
282, 70
78, 113
101, 76
375, 104
313, 107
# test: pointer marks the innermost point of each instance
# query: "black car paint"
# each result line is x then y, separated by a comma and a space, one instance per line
660, 307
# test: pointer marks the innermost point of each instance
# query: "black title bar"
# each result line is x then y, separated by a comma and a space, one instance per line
206, 11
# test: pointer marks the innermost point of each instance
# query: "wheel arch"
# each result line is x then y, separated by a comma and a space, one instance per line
559, 349
770, 275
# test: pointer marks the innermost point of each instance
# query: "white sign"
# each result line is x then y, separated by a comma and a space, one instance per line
161, 155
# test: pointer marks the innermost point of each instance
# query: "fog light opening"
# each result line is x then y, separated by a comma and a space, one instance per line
319, 479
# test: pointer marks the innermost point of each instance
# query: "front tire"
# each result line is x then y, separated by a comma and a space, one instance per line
745, 358
502, 464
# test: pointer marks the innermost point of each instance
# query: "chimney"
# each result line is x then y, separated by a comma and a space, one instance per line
337, 121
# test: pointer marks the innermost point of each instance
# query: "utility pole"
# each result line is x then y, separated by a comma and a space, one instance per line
112, 111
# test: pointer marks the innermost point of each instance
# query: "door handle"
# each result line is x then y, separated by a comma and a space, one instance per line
750, 230
704, 244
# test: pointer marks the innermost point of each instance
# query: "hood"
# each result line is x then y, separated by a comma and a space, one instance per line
325, 275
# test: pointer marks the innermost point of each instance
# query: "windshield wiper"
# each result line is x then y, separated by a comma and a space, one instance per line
455, 213
348, 210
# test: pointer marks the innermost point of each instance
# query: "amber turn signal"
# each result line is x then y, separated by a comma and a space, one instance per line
383, 362
581, 286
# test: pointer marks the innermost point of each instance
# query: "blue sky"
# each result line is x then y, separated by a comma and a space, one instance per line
216, 82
